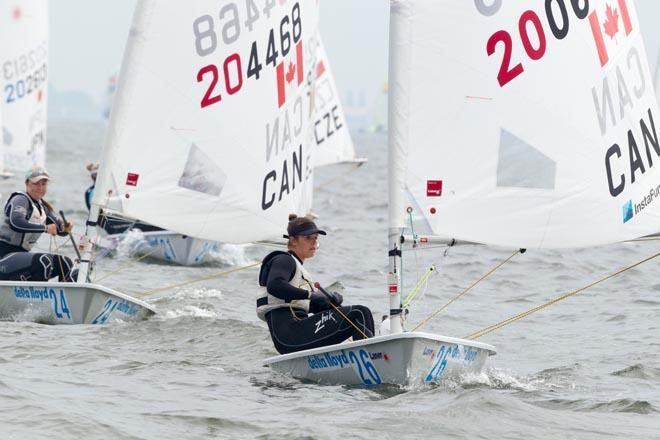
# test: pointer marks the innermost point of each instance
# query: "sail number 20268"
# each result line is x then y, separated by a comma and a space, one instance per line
529, 23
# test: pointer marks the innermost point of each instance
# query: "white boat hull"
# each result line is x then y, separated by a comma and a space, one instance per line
172, 247
67, 303
402, 359
177, 248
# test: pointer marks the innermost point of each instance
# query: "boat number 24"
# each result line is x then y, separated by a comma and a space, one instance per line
107, 309
60, 305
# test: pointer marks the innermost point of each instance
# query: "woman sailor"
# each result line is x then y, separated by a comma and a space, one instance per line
27, 216
93, 168
286, 297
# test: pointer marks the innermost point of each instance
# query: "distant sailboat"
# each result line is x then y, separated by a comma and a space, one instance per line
332, 144
3, 173
215, 145
24, 60
506, 129
379, 112
332, 138
110, 91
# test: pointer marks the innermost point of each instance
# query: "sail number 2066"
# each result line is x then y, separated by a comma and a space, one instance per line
531, 28
278, 44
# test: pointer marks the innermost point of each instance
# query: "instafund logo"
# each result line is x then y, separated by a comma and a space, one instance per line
631, 209
627, 211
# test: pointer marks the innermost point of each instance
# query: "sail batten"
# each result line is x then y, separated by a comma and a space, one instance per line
515, 131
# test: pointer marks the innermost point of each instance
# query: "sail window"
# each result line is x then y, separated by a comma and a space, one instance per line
201, 174
520, 165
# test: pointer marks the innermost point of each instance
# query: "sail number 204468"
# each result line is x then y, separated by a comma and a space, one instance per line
280, 41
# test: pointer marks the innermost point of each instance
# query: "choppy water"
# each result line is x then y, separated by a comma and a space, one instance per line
588, 368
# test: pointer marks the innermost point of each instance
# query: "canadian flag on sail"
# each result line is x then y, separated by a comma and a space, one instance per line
292, 77
610, 26
320, 69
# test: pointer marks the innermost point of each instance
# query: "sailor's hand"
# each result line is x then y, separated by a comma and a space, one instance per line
67, 226
336, 298
319, 302
51, 229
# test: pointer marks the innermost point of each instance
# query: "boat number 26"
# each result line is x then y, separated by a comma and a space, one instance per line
440, 362
363, 366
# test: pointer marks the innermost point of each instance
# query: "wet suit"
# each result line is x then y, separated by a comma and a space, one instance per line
293, 329
19, 233
89, 195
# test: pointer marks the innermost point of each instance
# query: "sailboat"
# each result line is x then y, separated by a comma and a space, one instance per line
24, 54
210, 131
510, 124
3, 174
24, 57
332, 139
331, 144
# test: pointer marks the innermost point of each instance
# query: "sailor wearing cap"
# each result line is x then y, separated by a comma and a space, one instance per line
286, 297
27, 216
112, 223
93, 168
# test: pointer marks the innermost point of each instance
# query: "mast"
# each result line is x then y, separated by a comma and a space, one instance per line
398, 112
656, 78
104, 178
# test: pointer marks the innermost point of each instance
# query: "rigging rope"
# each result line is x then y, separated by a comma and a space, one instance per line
434, 314
347, 319
131, 262
193, 281
422, 283
58, 256
57, 246
412, 227
328, 182
522, 315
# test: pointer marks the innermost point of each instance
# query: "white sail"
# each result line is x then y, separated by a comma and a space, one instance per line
24, 60
210, 128
656, 78
332, 139
2, 154
110, 91
523, 125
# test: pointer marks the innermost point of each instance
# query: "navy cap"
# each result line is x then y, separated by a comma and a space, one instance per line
305, 228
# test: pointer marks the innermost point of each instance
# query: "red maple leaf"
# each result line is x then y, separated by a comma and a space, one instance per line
320, 69
291, 73
611, 24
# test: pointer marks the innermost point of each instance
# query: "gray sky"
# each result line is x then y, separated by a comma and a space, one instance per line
87, 39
